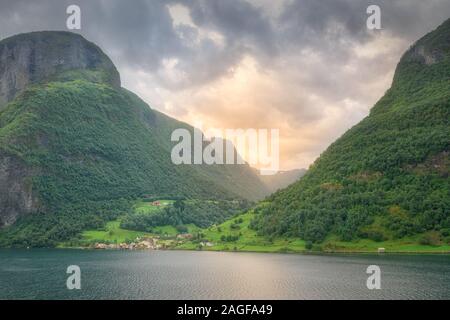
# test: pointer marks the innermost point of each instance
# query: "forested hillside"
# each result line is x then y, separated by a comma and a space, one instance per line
75, 148
387, 177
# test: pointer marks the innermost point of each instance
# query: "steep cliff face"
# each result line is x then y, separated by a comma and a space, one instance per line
16, 191
36, 58
42, 56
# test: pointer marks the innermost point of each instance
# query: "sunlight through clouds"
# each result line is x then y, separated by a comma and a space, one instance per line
310, 69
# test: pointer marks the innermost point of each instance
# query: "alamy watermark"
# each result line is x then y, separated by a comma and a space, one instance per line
73, 22
74, 280
260, 147
374, 280
374, 19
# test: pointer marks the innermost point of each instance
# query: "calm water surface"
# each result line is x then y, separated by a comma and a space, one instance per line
41, 274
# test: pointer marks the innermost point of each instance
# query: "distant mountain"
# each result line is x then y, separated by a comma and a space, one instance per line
387, 177
75, 147
281, 179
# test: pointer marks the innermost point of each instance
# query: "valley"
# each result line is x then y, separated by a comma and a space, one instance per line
90, 165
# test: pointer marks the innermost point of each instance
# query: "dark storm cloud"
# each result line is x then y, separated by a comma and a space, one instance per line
311, 66
137, 33
238, 21
141, 34
330, 26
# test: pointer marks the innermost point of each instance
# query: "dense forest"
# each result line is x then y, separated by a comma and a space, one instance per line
198, 212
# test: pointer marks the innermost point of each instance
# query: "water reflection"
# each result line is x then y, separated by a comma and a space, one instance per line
218, 275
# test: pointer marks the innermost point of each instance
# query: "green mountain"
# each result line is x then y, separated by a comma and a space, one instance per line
76, 148
388, 176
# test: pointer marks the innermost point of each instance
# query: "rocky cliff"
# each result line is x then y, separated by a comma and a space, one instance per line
16, 191
42, 56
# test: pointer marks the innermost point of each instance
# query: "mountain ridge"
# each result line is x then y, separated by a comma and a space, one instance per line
31, 58
76, 149
282, 179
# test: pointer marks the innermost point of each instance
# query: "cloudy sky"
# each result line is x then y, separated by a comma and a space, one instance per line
310, 68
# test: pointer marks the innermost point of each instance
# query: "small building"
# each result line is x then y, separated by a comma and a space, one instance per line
381, 250
156, 203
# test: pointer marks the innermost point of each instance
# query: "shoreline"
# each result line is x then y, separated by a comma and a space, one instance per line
291, 252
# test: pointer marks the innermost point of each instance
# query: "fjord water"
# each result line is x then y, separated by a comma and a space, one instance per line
41, 274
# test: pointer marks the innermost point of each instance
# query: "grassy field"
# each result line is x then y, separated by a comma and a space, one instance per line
112, 233
248, 240
235, 235
405, 245
148, 207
